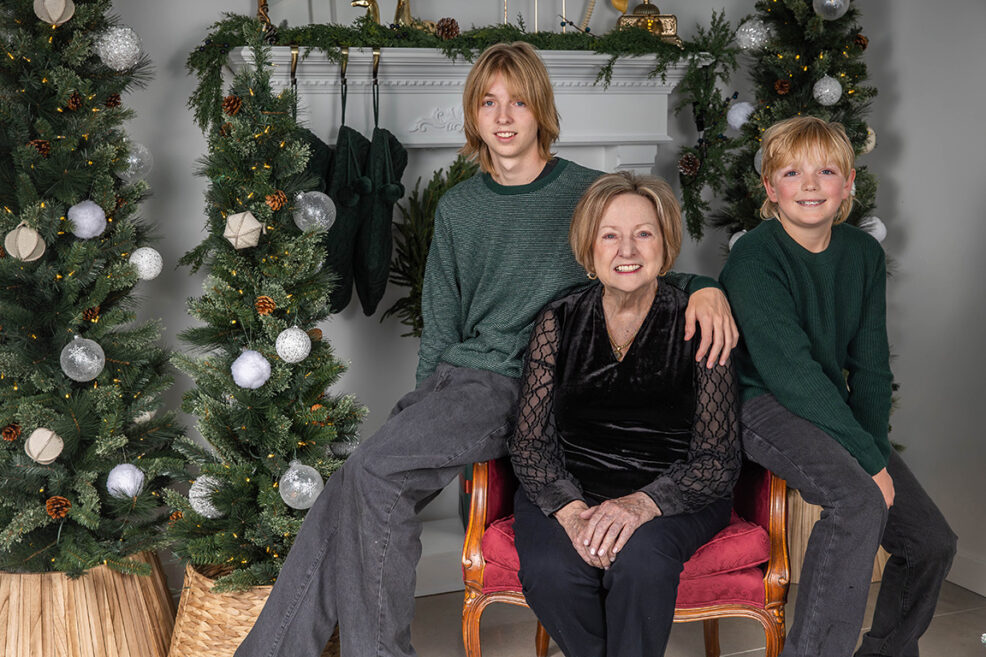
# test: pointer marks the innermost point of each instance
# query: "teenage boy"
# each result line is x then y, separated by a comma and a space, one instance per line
809, 294
500, 252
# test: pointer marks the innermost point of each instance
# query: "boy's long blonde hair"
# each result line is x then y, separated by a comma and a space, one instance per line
791, 139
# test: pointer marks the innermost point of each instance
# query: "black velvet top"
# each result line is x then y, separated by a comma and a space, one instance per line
592, 427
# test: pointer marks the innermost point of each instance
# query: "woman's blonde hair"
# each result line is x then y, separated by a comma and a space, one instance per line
527, 79
592, 205
805, 137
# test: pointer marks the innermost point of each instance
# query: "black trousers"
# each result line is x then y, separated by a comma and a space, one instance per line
625, 611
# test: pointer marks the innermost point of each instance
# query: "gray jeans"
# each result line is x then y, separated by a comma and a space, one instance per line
838, 562
354, 559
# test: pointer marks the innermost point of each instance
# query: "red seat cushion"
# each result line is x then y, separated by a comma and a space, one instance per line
721, 571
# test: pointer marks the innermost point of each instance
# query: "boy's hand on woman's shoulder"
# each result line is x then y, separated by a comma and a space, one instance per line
710, 309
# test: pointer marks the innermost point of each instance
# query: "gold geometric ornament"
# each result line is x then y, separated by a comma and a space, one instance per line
650, 18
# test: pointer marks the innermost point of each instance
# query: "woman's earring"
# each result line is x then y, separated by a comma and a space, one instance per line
591, 275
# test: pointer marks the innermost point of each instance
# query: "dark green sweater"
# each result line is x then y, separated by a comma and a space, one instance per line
498, 255
806, 319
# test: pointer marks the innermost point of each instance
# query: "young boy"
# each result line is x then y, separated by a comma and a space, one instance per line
500, 253
809, 296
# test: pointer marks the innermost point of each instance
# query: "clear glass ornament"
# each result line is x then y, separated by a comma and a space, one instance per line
300, 485
138, 163
119, 48
753, 34
827, 91
830, 10
82, 359
313, 210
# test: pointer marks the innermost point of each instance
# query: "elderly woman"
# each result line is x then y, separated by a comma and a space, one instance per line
626, 449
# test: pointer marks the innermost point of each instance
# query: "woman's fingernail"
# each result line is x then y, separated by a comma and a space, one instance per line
592, 551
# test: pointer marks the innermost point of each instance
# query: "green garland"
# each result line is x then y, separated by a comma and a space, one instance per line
710, 58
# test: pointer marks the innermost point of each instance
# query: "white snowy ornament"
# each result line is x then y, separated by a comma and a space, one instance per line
758, 161
732, 240
24, 243
250, 370
200, 496
827, 91
293, 345
44, 446
138, 163
752, 34
82, 359
313, 210
739, 113
870, 140
54, 12
119, 48
147, 262
146, 416
88, 219
242, 230
875, 227
830, 10
300, 485
125, 481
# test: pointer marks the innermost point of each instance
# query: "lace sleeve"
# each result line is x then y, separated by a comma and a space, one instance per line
535, 452
713, 464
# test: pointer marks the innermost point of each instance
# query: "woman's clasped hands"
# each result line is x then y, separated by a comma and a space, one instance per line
598, 533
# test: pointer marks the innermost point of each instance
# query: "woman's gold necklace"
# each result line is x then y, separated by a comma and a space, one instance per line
620, 349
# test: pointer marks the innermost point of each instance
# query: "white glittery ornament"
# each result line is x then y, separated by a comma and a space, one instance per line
313, 210
293, 345
125, 481
200, 496
753, 34
88, 219
875, 227
870, 140
827, 91
119, 48
300, 485
138, 163
82, 359
54, 12
758, 161
342, 448
732, 240
24, 243
43, 446
830, 10
739, 113
250, 370
242, 230
147, 262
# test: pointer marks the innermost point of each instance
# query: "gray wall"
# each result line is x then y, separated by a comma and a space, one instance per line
930, 161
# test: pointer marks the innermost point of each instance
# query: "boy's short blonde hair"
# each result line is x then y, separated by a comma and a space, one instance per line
592, 205
527, 79
792, 139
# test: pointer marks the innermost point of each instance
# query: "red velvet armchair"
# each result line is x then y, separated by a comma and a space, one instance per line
742, 571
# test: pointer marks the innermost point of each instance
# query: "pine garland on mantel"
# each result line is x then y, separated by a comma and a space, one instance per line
710, 58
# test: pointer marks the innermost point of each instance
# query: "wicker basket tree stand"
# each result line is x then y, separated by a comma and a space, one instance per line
214, 624
101, 614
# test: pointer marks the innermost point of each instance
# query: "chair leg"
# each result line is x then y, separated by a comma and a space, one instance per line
711, 628
472, 611
541, 641
774, 634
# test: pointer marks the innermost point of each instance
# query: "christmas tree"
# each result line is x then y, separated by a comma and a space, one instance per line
84, 455
261, 384
807, 59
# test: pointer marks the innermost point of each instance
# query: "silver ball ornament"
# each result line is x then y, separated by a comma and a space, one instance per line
125, 481
82, 359
250, 370
875, 227
293, 345
735, 238
200, 496
300, 485
138, 163
313, 210
119, 48
758, 161
88, 219
739, 113
342, 448
827, 91
830, 10
147, 262
753, 34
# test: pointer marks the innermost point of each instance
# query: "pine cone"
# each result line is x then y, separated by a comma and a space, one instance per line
58, 507
225, 129
74, 101
42, 145
689, 164
11, 432
120, 202
264, 305
91, 314
270, 33
447, 28
113, 100
782, 87
315, 407
232, 105
3, 254
861, 41
175, 517
315, 334
276, 201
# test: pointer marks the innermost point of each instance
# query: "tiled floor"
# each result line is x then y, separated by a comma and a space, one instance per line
507, 631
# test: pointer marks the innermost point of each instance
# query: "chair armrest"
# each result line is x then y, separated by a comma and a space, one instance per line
473, 563
778, 573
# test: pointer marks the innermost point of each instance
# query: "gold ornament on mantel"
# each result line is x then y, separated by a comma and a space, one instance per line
243, 230
649, 17
24, 243
54, 12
